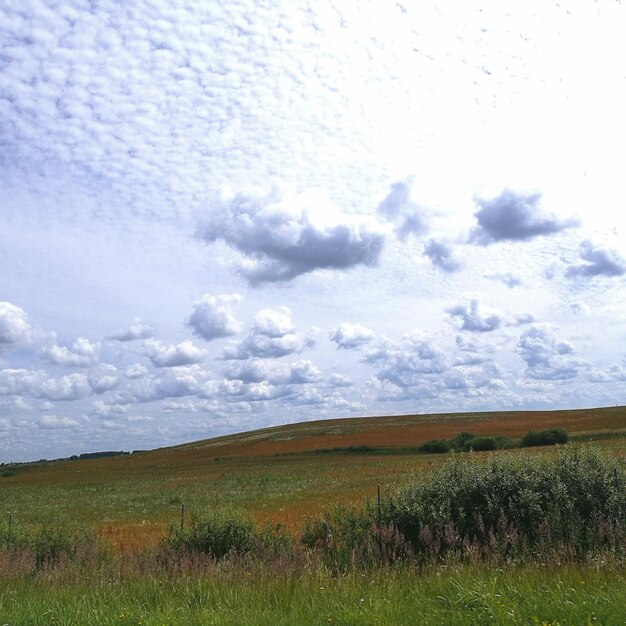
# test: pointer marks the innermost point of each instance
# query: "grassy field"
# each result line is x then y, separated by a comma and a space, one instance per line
457, 595
280, 474
286, 474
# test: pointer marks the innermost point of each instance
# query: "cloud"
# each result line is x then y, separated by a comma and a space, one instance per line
161, 355
104, 380
83, 353
507, 278
256, 371
53, 422
475, 316
38, 384
136, 370
600, 261
547, 358
102, 409
137, 330
399, 209
339, 380
211, 317
405, 363
514, 216
349, 336
442, 255
271, 336
282, 237
66, 388
14, 326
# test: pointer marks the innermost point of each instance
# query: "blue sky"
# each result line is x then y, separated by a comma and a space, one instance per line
221, 216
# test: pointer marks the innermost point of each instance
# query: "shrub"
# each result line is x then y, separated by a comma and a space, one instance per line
50, 542
216, 534
508, 505
548, 437
435, 446
220, 534
460, 441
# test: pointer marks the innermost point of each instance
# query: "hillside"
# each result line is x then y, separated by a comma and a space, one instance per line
280, 474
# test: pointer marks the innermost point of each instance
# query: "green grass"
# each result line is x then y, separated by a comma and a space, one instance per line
454, 595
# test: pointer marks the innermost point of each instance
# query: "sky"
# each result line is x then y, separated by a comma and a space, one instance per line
220, 216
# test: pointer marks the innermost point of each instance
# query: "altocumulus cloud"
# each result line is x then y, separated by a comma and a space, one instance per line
513, 216
284, 236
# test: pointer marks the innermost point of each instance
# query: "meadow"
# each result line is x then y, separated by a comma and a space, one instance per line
285, 476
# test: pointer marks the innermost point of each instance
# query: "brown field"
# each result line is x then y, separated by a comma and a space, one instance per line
276, 474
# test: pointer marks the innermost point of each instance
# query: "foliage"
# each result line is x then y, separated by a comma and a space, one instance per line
548, 437
506, 506
223, 533
51, 542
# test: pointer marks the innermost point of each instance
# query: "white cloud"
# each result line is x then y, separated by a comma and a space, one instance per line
475, 316
53, 422
136, 370
515, 216
399, 208
66, 388
161, 355
599, 261
14, 326
282, 237
507, 278
546, 357
83, 353
348, 335
405, 363
37, 384
102, 409
212, 318
137, 330
272, 336
442, 255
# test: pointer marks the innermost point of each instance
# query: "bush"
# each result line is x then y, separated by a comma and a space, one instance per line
548, 437
220, 534
435, 446
50, 542
508, 505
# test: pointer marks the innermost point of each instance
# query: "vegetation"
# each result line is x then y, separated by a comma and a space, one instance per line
504, 536
548, 437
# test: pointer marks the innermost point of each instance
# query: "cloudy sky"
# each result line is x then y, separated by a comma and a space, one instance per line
217, 216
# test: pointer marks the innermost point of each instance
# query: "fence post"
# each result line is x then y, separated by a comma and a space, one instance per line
380, 515
10, 527
182, 516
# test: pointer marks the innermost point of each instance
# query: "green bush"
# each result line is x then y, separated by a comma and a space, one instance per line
576, 502
548, 437
459, 442
435, 446
50, 542
219, 534
216, 534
